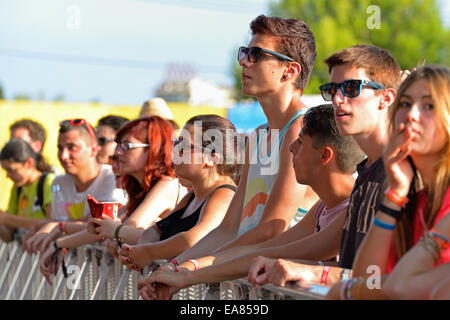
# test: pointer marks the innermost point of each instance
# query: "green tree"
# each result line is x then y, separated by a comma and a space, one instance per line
2, 93
412, 30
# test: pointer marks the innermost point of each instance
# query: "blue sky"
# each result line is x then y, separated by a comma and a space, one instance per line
118, 50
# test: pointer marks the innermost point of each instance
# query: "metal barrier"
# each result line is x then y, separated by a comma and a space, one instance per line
93, 274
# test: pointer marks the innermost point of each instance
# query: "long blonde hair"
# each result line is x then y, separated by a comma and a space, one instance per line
438, 78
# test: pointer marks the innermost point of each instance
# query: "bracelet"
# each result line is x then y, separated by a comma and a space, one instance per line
116, 232
392, 195
324, 277
431, 247
383, 225
345, 274
358, 288
61, 226
196, 266
396, 214
174, 262
443, 241
64, 250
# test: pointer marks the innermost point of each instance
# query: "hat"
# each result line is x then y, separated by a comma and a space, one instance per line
156, 107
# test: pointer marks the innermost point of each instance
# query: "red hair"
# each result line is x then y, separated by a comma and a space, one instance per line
157, 132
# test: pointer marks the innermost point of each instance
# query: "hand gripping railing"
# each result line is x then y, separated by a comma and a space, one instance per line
93, 274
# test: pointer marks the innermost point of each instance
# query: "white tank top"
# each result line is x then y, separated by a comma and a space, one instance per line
262, 174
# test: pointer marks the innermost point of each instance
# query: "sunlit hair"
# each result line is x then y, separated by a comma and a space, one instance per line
157, 132
438, 79
229, 149
293, 38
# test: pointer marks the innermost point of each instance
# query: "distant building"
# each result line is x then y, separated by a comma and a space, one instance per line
182, 85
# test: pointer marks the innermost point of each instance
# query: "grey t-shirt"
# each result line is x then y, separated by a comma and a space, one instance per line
367, 194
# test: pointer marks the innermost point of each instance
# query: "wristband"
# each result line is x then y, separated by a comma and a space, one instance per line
392, 195
383, 225
196, 266
443, 241
324, 277
174, 262
116, 232
348, 289
64, 250
396, 214
61, 226
345, 274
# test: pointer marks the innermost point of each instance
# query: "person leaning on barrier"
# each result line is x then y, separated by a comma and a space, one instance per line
207, 166
30, 200
77, 150
143, 162
321, 159
417, 162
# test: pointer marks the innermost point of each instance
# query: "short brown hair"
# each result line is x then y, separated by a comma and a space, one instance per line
378, 63
293, 38
36, 130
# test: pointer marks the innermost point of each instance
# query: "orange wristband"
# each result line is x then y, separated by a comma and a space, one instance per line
392, 195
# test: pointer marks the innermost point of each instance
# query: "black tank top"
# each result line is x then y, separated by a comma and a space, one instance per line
173, 223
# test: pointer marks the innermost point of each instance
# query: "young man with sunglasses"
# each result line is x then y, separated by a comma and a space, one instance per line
77, 152
106, 132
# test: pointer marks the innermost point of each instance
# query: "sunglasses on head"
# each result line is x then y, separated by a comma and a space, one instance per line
349, 88
102, 141
254, 54
78, 123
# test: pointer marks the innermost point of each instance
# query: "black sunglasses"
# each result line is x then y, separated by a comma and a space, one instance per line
103, 141
254, 54
350, 88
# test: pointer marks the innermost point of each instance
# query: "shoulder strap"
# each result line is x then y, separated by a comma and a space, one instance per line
40, 191
228, 186
19, 191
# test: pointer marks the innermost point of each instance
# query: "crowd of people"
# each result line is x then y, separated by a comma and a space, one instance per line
353, 195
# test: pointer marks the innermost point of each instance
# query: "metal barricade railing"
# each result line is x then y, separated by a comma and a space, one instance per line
93, 274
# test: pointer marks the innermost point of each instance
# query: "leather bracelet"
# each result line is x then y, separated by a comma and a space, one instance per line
396, 214
116, 232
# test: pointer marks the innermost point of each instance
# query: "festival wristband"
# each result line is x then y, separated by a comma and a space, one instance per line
383, 225
61, 226
396, 214
174, 262
324, 277
392, 195
196, 266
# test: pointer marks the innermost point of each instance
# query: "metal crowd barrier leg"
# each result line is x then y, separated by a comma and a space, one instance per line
57, 291
83, 270
31, 276
15, 279
118, 294
8, 266
104, 271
